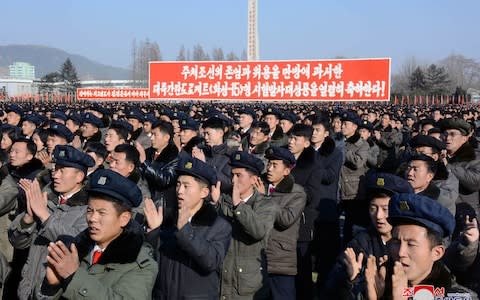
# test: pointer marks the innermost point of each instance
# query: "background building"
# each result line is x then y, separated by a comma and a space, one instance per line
22, 70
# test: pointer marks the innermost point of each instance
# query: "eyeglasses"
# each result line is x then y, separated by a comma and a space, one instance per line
452, 133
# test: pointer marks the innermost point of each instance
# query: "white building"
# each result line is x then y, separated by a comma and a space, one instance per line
22, 70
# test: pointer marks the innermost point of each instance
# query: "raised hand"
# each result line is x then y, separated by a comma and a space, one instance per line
471, 232
236, 195
38, 201
259, 186
215, 193
153, 214
25, 185
353, 264
375, 279
141, 151
399, 281
63, 261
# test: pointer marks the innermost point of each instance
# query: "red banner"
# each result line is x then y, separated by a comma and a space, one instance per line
112, 94
324, 80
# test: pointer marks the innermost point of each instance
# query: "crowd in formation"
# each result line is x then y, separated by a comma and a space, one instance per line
238, 201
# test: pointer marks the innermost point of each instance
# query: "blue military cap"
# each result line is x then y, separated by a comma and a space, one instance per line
100, 109
242, 159
288, 115
272, 111
122, 124
248, 111
279, 153
92, 119
178, 115
189, 123
115, 186
76, 118
34, 119
187, 165
456, 123
389, 183
58, 114
61, 130
420, 210
15, 108
350, 116
135, 114
68, 156
365, 124
427, 141
149, 118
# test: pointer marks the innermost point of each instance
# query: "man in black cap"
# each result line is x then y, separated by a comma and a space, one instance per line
443, 179
352, 174
365, 130
462, 160
14, 115
91, 128
59, 210
189, 252
420, 172
346, 279
419, 226
110, 256
251, 215
29, 124
277, 136
257, 142
388, 140
246, 119
287, 120
188, 130
290, 198
136, 118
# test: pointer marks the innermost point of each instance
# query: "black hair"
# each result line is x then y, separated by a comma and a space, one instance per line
31, 147
121, 131
131, 153
12, 132
164, 127
263, 126
97, 148
434, 237
322, 120
430, 162
302, 130
42, 134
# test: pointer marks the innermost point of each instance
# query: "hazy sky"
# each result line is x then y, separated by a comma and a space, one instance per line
103, 30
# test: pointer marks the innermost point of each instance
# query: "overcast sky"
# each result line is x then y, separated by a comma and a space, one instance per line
103, 30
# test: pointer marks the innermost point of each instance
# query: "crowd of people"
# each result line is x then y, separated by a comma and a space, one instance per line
238, 201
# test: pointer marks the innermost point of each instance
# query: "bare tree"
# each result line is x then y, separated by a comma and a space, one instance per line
217, 54
463, 72
143, 54
401, 80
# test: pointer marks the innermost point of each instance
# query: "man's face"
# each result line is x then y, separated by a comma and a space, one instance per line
72, 126
426, 128
19, 154
6, 142
379, 213
272, 121
410, 122
104, 222
136, 124
213, 136
112, 140
147, 127
454, 139
348, 128
437, 115
190, 193
276, 171
13, 118
418, 176
245, 121
257, 137
120, 165
285, 125
364, 133
159, 139
54, 140
66, 179
319, 134
296, 144
412, 248
385, 121
186, 135
371, 117
88, 130
243, 180
28, 128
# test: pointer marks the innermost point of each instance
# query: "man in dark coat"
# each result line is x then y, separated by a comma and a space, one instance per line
272, 117
190, 253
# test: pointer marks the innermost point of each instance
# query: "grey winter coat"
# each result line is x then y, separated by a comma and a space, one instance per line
244, 273
282, 244
65, 220
352, 173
